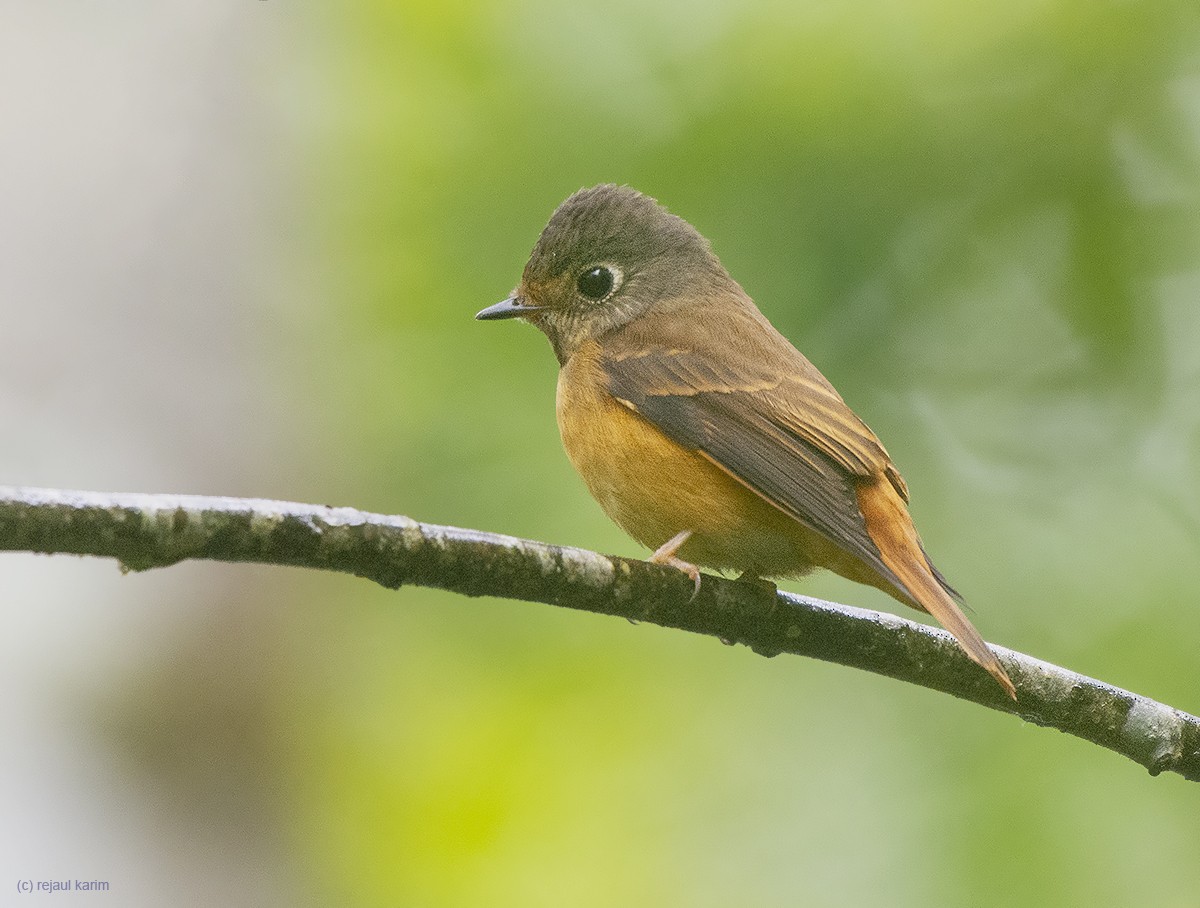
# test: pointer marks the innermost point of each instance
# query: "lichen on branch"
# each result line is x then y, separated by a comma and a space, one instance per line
148, 531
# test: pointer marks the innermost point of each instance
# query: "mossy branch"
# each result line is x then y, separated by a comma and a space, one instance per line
148, 531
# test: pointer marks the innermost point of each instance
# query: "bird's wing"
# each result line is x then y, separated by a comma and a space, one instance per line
754, 406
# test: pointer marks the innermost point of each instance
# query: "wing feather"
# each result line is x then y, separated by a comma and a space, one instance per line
785, 433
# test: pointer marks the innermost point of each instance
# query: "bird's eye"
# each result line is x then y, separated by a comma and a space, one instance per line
596, 283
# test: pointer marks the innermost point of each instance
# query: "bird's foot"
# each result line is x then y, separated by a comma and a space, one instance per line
665, 554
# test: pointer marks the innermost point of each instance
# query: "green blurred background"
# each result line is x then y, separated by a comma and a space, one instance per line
981, 221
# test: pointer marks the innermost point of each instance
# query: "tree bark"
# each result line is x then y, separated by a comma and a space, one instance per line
149, 531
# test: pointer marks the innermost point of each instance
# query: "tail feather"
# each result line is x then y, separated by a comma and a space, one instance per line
942, 581
891, 529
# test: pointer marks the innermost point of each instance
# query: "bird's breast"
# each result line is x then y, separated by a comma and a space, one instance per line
653, 487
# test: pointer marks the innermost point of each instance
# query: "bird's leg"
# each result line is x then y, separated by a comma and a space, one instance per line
665, 554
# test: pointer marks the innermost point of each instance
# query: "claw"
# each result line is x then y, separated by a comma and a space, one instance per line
665, 554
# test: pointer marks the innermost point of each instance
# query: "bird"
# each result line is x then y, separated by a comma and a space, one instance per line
699, 428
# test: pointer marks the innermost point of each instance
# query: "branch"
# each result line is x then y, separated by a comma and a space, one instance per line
148, 531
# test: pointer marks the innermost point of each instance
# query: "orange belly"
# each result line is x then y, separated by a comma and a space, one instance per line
653, 488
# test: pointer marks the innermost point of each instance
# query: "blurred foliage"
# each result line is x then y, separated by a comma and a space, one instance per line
982, 222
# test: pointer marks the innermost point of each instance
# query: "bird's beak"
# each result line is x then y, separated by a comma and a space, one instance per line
513, 307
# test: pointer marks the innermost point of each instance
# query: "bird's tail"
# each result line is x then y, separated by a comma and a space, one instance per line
891, 529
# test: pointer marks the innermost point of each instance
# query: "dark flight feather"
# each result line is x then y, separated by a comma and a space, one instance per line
787, 436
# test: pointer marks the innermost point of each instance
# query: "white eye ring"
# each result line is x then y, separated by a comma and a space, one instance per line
598, 282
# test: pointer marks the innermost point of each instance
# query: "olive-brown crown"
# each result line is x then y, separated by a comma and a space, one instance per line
608, 255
